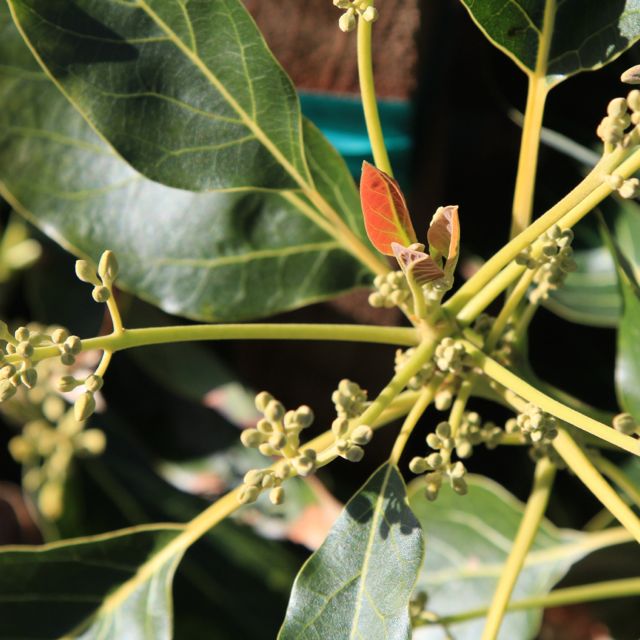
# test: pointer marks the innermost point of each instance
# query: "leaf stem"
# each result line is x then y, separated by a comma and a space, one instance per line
609, 589
368, 93
424, 400
531, 519
130, 338
580, 464
527, 391
537, 92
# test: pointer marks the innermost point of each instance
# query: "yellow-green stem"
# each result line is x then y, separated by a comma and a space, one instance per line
533, 514
527, 391
528, 161
618, 477
424, 400
368, 93
559, 598
579, 463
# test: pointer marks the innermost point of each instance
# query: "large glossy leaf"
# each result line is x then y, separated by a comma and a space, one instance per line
468, 541
116, 585
358, 583
214, 256
558, 38
188, 93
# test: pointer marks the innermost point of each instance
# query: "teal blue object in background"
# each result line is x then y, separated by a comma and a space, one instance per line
341, 120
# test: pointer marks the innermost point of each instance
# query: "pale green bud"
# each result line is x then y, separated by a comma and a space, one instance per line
443, 429
625, 423
264, 426
7, 390
254, 477
617, 107
362, 434
418, 465
262, 400
251, 438
24, 349
53, 408
459, 486
108, 267
304, 416
267, 450
22, 334
434, 460
283, 472
370, 14
84, 406
7, 371
73, 344
94, 383
614, 180
10, 348
457, 470
276, 495
248, 494
443, 400
464, 448
434, 441
29, 377
274, 411
20, 449
355, 454
278, 441
92, 442
376, 300
347, 21
633, 100
32, 480
101, 293
67, 359
50, 500
268, 481
85, 272
59, 336
342, 445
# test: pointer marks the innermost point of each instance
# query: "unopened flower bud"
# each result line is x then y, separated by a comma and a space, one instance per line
7, 390
340, 426
84, 406
248, 494
251, 438
355, 454
362, 434
73, 344
304, 416
347, 21
418, 465
108, 267
101, 293
94, 383
85, 272
92, 441
371, 15
276, 495
625, 423
262, 400
29, 378
274, 411
59, 336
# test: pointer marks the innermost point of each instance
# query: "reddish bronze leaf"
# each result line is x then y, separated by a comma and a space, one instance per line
386, 217
444, 233
416, 264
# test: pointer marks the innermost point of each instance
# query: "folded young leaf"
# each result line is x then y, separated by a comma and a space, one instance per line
358, 583
416, 264
386, 216
444, 236
116, 585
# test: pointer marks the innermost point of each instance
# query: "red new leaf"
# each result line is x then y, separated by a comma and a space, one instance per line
386, 217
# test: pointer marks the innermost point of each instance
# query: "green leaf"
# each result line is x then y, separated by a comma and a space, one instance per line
210, 256
558, 38
358, 583
628, 351
114, 585
189, 94
468, 541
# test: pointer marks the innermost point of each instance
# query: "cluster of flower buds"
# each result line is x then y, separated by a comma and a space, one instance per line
350, 399
277, 434
626, 188
473, 432
451, 356
103, 280
423, 376
535, 425
46, 447
505, 348
625, 423
392, 290
258, 480
438, 465
613, 128
552, 259
349, 443
20, 347
352, 9
417, 605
